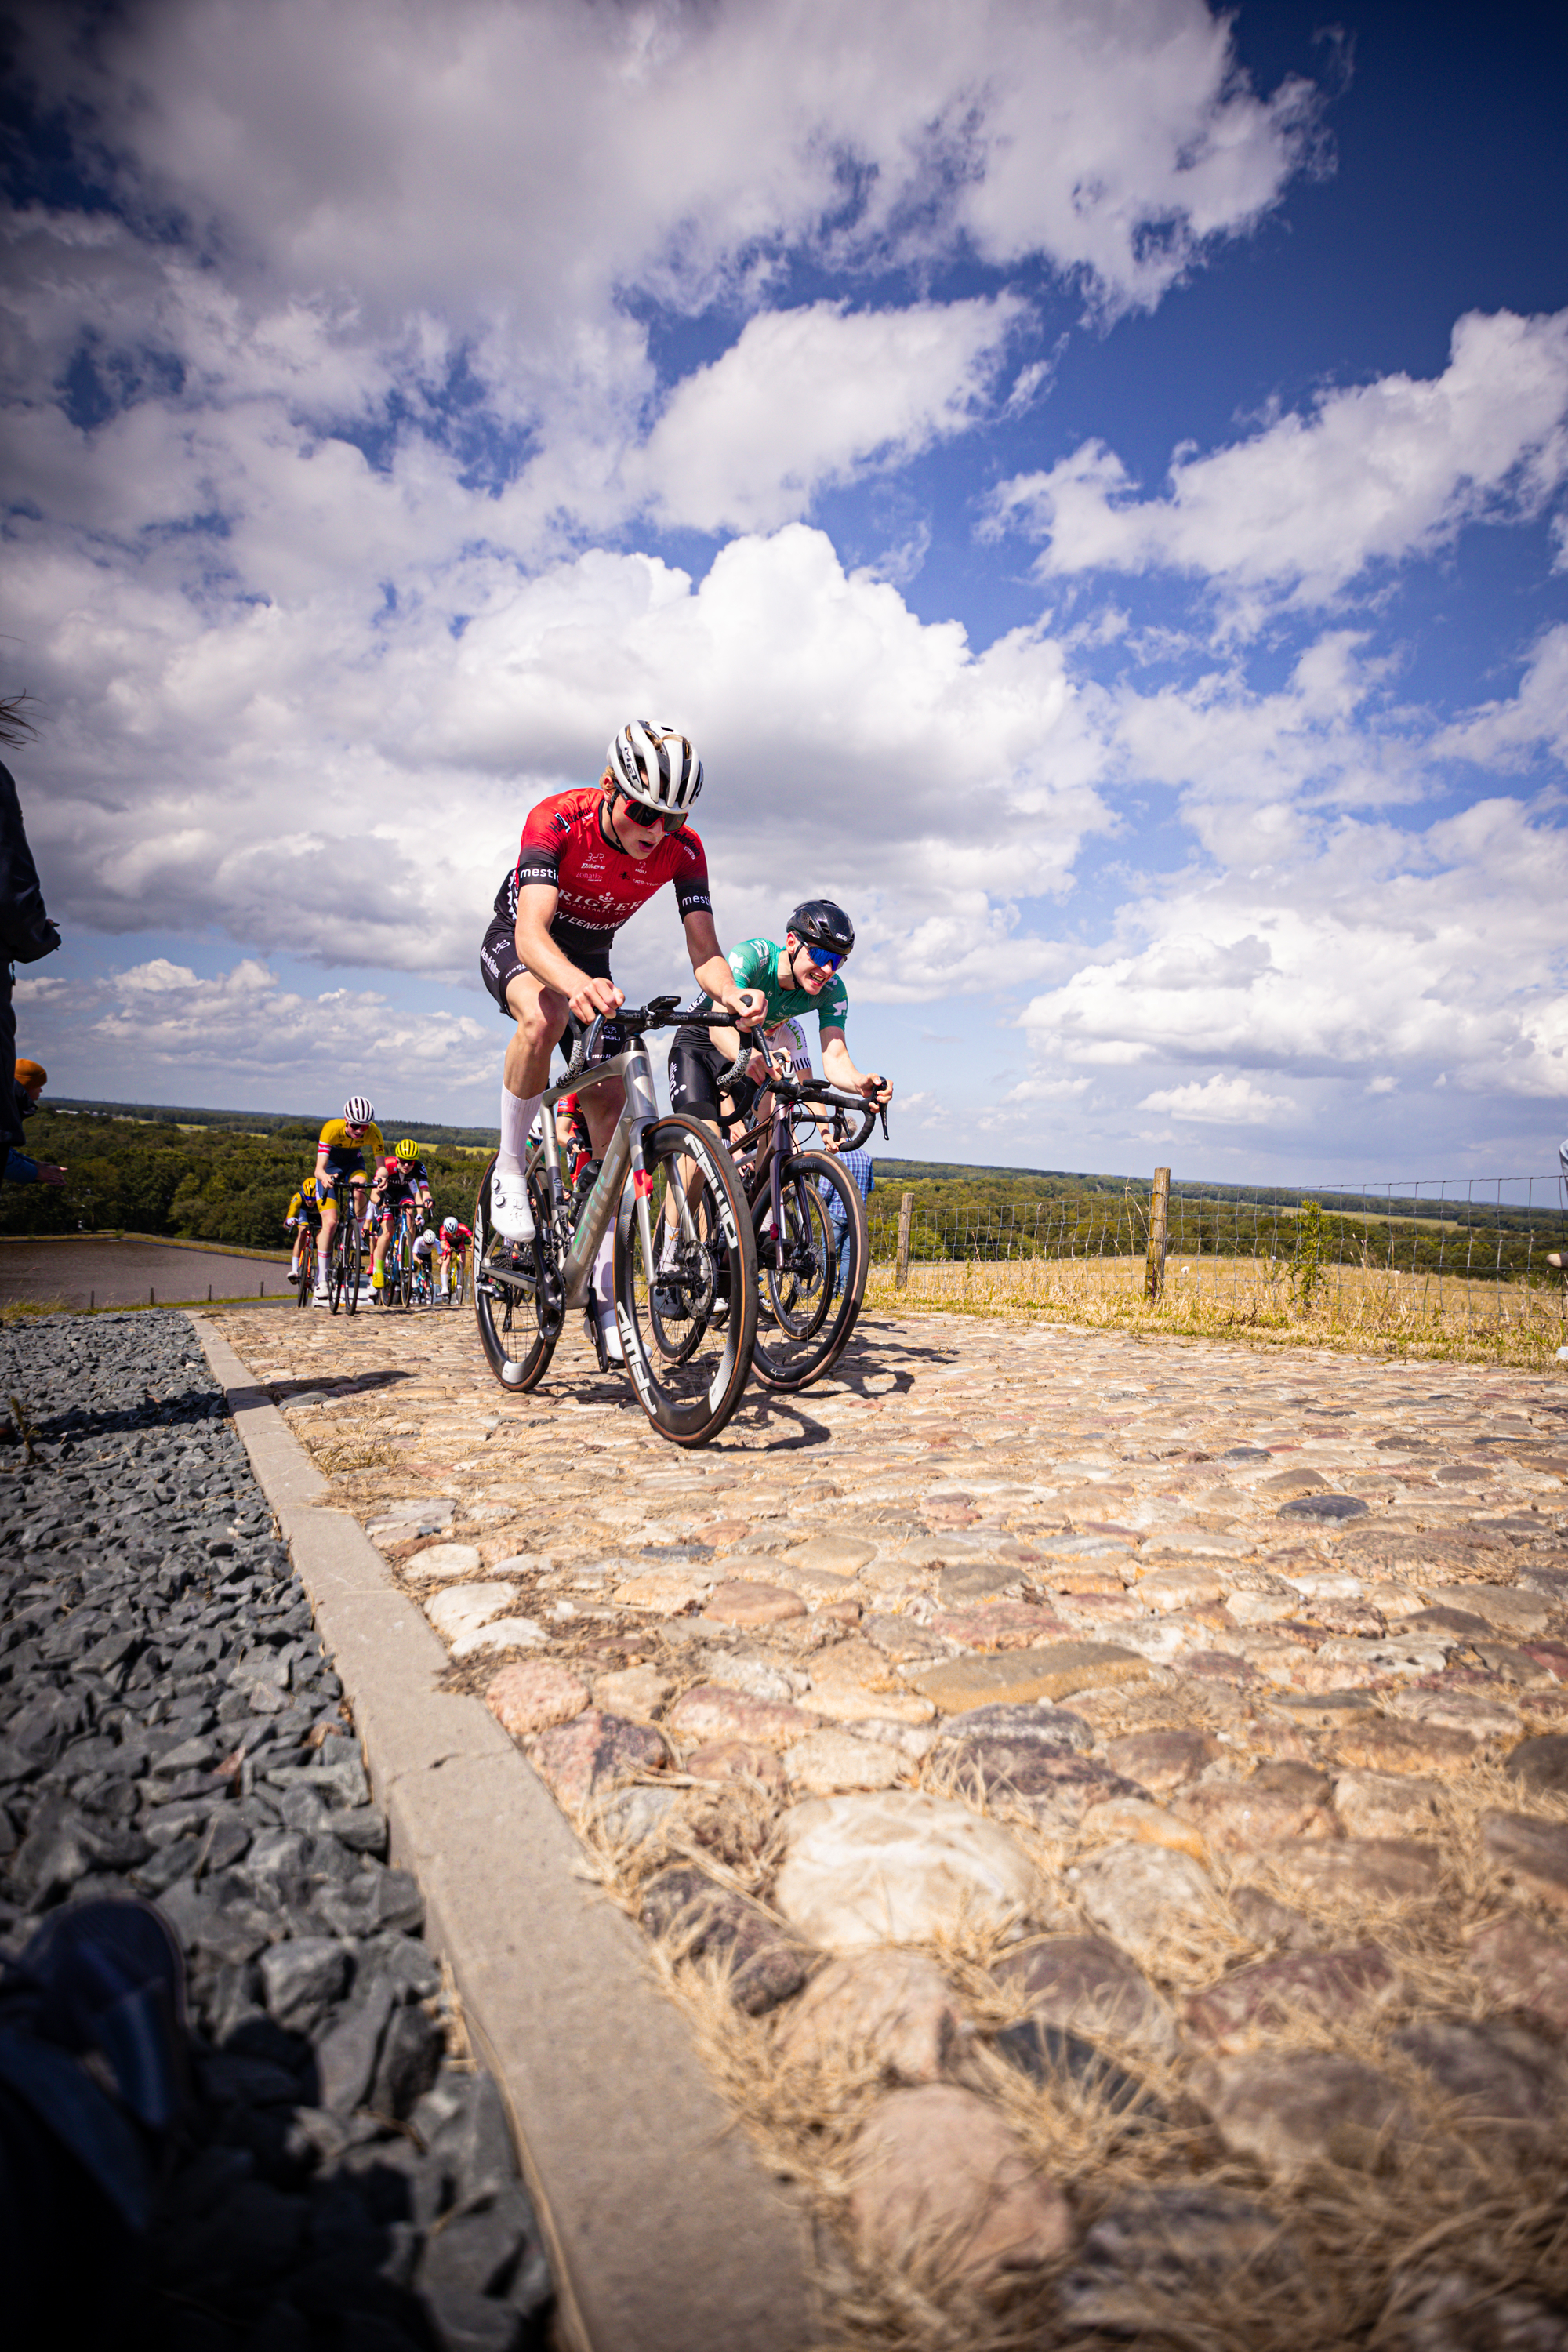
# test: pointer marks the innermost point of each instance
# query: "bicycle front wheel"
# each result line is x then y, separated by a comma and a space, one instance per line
814, 1272
350, 1265
404, 1253
517, 1294
687, 1327
458, 1290
305, 1289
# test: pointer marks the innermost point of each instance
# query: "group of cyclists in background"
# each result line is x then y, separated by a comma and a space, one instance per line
588, 858
391, 1214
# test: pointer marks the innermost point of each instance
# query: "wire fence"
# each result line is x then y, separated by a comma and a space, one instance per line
1465, 1264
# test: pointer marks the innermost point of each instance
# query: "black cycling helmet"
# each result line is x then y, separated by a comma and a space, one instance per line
824, 924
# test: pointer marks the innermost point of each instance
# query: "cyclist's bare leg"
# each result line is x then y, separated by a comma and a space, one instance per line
541, 1013
324, 1238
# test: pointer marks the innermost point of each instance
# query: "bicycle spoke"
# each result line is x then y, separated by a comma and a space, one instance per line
812, 1274
519, 1319
687, 1321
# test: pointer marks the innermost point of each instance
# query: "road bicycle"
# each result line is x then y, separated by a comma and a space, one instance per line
305, 1281
456, 1289
422, 1279
688, 1360
345, 1254
812, 1264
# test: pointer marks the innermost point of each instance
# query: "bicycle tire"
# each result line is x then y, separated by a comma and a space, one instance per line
305, 1288
498, 1309
403, 1251
688, 1397
460, 1289
786, 1360
349, 1253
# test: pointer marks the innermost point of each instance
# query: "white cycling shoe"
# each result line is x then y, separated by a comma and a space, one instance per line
511, 1213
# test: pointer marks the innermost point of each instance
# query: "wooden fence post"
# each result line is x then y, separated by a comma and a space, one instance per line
906, 1211
1159, 1225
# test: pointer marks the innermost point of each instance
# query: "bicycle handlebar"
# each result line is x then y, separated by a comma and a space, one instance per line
660, 1013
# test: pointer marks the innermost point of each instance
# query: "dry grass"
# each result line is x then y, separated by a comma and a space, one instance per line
1521, 1323
22, 1310
343, 1456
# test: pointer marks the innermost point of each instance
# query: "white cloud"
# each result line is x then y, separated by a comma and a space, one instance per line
352, 221
173, 1026
1046, 1090
349, 785
1368, 953
1503, 733
813, 396
1220, 1101
517, 163
1372, 473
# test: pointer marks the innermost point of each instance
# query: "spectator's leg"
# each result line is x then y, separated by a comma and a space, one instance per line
10, 1125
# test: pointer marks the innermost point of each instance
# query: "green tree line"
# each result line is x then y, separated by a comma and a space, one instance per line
215, 1184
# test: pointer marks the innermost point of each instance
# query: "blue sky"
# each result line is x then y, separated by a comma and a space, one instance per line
1089, 480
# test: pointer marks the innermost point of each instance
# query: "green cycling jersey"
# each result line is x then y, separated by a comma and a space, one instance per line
756, 964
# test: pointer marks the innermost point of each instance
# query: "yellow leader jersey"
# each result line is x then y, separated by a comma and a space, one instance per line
345, 1150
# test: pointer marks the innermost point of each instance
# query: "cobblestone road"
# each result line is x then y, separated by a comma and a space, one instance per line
1150, 1758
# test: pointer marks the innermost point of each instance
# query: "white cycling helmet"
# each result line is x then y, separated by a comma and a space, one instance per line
357, 1112
448, 1224
656, 766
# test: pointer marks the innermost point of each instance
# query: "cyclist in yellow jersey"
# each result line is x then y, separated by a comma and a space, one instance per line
304, 1218
340, 1162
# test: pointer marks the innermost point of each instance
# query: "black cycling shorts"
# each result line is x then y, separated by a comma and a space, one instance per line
500, 963
695, 1064
347, 1170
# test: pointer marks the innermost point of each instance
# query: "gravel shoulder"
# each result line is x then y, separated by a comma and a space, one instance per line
171, 1725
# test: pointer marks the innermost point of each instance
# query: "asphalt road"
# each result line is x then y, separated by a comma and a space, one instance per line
122, 1273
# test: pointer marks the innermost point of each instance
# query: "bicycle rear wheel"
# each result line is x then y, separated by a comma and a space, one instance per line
687, 1351
350, 1248
807, 1318
517, 1292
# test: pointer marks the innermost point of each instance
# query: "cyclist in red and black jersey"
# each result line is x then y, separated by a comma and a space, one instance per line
588, 860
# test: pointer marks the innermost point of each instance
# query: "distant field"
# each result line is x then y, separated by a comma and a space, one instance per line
1521, 1323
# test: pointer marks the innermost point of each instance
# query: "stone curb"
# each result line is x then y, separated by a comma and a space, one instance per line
665, 2232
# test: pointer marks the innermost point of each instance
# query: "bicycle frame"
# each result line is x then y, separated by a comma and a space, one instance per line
775, 1143
642, 1111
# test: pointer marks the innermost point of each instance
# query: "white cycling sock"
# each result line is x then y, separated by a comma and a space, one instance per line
517, 1115
604, 1298
604, 1271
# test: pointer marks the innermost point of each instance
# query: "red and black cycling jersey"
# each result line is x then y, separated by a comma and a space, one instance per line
401, 1178
563, 847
